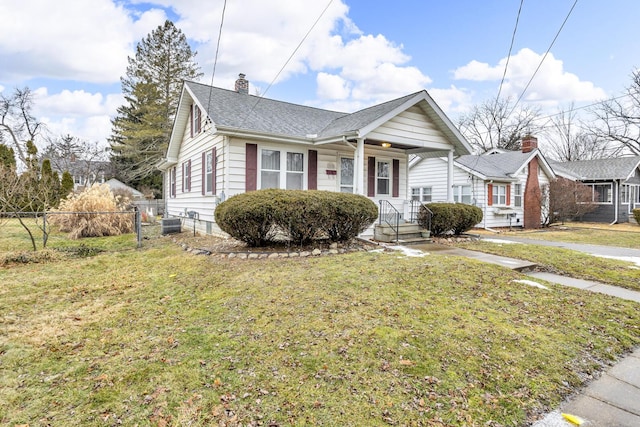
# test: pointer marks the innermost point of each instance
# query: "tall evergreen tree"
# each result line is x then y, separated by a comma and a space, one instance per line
151, 87
7, 156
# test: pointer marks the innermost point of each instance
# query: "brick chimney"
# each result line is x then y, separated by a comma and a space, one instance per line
529, 143
242, 84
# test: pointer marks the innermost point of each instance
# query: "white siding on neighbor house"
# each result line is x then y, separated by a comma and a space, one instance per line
433, 173
412, 125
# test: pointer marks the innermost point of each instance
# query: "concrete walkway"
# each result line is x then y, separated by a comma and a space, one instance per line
613, 400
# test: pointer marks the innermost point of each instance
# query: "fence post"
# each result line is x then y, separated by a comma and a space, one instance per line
138, 226
44, 229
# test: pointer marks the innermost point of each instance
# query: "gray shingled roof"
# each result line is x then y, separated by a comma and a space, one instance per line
496, 166
251, 113
248, 112
599, 169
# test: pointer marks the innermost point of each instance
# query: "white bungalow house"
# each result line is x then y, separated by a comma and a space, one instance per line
226, 142
506, 185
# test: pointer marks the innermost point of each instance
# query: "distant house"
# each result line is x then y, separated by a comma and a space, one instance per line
84, 172
506, 185
115, 184
227, 142
615, 186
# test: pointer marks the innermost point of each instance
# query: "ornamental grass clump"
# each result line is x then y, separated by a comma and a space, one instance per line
94, 212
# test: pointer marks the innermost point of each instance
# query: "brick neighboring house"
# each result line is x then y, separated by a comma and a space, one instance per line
506, 185
615, 186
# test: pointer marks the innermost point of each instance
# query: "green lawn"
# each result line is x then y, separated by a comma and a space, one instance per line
565, 262
160, 337
629, 238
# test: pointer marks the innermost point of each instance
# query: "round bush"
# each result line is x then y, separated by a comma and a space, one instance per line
265, 216
447, 218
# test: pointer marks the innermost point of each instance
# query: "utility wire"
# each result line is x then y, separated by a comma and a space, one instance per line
215, 60
513, 37
286, 62
543, 58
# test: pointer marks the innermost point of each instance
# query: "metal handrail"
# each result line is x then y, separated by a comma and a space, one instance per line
390, 216
414, 209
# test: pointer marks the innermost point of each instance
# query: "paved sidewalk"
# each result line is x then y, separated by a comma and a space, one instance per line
611, 401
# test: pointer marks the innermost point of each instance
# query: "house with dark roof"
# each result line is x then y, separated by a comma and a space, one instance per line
615, 186
226, 142
506, 185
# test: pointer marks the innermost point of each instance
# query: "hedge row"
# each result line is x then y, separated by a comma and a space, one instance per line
448, 218
266, 216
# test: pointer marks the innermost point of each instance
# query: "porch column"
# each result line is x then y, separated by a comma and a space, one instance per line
450, 176
359, 167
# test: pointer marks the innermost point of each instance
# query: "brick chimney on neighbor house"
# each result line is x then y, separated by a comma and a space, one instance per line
532, 193
529, 143
242, 84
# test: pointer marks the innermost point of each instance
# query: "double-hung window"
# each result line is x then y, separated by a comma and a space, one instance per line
383, 178
421, 194
272, 175
186, 176
462, 194
499, 194
208, 172
172, 178
625, 194
602, 193
346, 175
517, 195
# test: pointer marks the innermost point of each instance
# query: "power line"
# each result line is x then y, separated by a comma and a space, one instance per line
513, 37
543, 58
215, 60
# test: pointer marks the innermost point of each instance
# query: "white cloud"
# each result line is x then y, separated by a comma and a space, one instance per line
551, 85
78, 113
331, 86
68, 39
452, 100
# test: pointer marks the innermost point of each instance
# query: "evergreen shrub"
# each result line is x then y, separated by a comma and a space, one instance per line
455, 218
262, 217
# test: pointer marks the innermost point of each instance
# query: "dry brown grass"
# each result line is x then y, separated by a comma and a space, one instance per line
95, 212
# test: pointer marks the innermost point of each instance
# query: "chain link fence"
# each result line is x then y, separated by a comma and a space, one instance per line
36, 230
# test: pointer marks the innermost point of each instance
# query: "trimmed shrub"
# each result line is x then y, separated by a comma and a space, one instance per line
447, 218
83, 222
636, 215
266, 216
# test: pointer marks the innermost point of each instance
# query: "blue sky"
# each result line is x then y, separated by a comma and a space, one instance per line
72, 53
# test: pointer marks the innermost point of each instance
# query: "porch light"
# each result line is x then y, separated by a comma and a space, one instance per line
386, 144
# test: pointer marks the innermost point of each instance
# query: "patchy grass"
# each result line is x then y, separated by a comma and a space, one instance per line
566, 262
160, 337
622, 235
15, 243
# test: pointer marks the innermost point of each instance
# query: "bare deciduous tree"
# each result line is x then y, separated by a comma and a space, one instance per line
17, 123
497, 124
569, 139
568, 200
619, 119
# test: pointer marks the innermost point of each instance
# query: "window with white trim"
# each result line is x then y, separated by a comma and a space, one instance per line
499, 194
273, 176
462, 194
208, 172
196, 117
517, 195
383, 178
602, 193
421, 194
624, 194
346, 175
186, 176
172, 177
